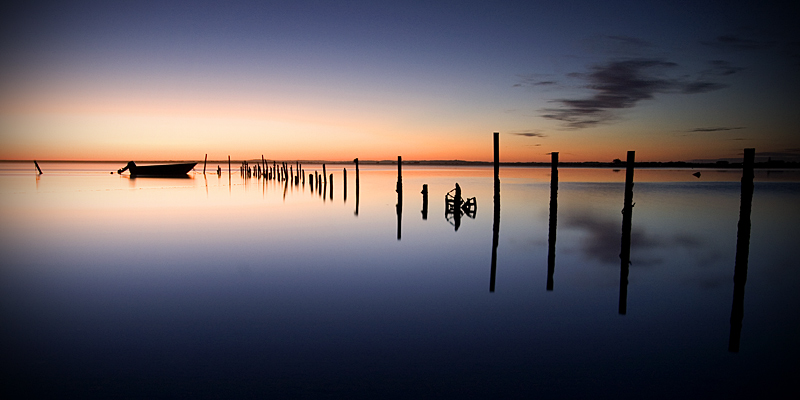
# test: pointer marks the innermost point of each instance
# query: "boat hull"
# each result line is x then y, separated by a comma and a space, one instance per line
165, 170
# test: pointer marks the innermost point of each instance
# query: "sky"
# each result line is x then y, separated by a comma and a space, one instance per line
425, 80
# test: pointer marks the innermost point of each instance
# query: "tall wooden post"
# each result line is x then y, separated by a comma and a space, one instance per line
204, 164
496, 221
551, 232
344, 184
742, 250
357, 186
229, 165
37, 166
627, 216
497, 155
424, 201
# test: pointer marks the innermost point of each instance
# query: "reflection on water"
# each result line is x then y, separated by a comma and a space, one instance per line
250, 286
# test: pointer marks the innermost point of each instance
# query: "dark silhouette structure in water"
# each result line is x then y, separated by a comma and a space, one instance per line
424, 201
165, 170
455, 206
552, 223
742, 251
625, 252
496, 220
399, 190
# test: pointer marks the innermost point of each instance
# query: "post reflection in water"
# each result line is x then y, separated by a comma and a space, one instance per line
495, 233
742, 251
551, 232
625, 253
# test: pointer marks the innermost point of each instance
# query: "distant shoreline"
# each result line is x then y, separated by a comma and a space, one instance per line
772, 164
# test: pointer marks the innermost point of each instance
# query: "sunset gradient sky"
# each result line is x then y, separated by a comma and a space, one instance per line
174, 80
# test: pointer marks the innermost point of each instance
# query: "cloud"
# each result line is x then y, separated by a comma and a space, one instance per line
629, 41
535, 80
736, 42
715, 129
792, 154
619, 85
530, 134
722, 68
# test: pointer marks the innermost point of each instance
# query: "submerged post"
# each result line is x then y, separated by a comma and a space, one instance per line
331, 177
357, 186
37, 166
229, 165
424, 201
204, 164
344, 184
627, 216
497, 155
742, 250
496, 221
551, 232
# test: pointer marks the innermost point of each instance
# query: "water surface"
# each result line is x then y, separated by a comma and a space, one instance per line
242, 287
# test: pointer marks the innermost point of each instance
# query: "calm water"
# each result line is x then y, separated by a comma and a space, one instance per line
218, 286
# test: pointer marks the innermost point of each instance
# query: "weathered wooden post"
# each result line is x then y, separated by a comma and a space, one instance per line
399, 190
497, 156
357, 186
37, 166
424, 201
331, 181
311, 182
627, 216
742, 250
496, 221
344, 182
204, 164
229, 165
551, 232
324, 176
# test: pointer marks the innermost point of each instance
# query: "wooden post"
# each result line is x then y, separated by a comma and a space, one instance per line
357, 187
551, 232
331, 181
344, 183
37, 166
324, 176
400, 181
627, 216
424, 201
204, 164
497, 155
229, 165
742, 250
311, 182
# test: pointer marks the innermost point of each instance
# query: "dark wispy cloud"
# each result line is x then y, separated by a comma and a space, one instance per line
628, 40
792, 154
738, 42
619, 85
535, 80
716, 129
721, 68
530, 134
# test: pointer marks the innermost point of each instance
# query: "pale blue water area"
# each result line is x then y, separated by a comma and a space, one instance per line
218, 286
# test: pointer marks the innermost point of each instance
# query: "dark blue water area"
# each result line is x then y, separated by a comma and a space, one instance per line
349, 311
